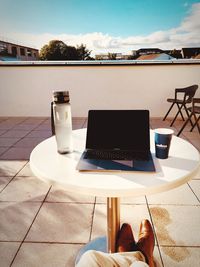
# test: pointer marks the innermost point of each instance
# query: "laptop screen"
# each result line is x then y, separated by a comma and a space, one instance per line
118, 129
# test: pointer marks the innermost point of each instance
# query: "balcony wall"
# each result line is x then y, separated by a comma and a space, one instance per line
26, 88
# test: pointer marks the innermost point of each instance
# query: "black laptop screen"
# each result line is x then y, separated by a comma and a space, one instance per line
118, 129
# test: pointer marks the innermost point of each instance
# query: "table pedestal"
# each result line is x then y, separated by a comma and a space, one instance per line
113, 222
113, 226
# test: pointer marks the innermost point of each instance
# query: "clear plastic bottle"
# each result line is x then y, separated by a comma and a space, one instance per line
62, 121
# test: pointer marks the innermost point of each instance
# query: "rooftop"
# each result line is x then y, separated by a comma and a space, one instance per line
40, 224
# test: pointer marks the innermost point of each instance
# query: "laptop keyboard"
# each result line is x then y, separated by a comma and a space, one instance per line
115, 155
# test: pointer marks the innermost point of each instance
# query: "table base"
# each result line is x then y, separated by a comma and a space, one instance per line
99, 243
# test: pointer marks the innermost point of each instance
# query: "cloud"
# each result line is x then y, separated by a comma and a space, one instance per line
186, 34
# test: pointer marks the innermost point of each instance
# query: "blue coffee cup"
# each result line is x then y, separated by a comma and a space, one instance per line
163, 138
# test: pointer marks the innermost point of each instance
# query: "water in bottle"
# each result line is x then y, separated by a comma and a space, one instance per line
62, 121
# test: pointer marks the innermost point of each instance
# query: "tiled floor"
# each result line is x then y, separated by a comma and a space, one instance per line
45, 226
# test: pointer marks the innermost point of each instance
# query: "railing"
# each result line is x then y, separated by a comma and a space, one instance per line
26, 87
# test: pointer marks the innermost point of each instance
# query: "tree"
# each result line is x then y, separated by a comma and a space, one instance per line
175, 53
83, 52
58, 50
112, 56
53, 51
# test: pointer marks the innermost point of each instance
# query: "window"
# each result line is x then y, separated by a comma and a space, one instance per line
29, 53
14, 50
3, 47
22, 51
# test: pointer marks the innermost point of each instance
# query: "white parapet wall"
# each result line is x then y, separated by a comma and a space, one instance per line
26, 87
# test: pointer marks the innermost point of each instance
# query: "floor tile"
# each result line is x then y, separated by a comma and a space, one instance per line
8, 141
29, 142
124, 200
78, 119
43, 127
4, 181
24, 126
17, 153
57, 194
47, 121
157, 259
16, 120
132, 214
197, 175
15, 133
62, 222
182, 195
26, 171
76, 126
195, 143
25, 189
10, 168
2, 132
3, 149
177, 225
193, 134
3, 118
180, 256
85, 124
46, 255
34, 120
77, 123
6, 125
7, 252
159, 123
16, 219
36, 133
195, 185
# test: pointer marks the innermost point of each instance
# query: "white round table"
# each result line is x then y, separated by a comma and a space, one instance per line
47, 164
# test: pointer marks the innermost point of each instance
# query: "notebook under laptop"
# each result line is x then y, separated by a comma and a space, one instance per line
117, 140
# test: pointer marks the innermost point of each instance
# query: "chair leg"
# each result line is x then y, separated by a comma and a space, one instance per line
168, 111
188, 115
184, 125
196, 123
179, 111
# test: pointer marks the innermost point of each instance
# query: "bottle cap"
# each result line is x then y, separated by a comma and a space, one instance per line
61, 96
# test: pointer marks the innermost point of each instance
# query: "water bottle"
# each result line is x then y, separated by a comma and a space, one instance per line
62, 121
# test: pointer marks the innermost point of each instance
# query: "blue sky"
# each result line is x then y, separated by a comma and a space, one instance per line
103, 25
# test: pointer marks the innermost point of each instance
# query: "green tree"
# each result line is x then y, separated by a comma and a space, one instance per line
175, 53
112, 56
58, 50
83, 52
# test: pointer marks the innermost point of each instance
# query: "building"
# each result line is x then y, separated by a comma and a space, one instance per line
12, 51
190, 52
161, 56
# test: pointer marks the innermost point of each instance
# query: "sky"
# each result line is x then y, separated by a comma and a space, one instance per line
102, 25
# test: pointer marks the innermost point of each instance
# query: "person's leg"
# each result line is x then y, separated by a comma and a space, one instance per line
146, 241
94, 258
125, 239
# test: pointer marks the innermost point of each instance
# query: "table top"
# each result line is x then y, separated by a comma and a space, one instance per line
48, 165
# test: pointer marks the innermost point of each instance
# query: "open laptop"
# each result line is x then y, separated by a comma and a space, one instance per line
117, 140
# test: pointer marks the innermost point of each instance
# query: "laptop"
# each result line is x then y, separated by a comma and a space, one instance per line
117, 140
